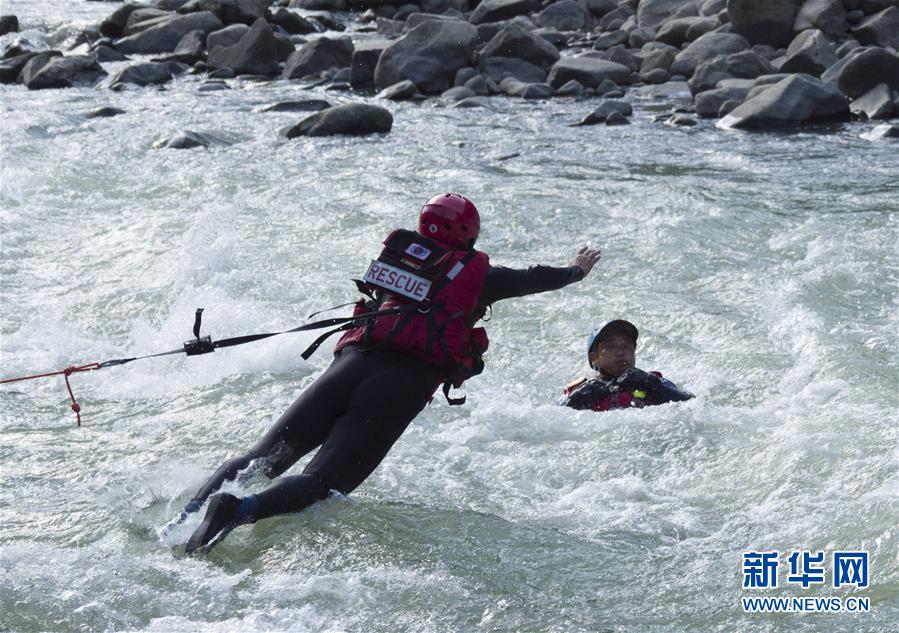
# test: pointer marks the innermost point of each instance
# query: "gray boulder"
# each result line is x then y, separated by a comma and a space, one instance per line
681, 120
712, 7
881, 132
230, 11
570, 89
228, 36
655, 76
319, 55
601, 7
652, 13
142, 74
619, 55
706, 47
498, 68
674, 32
302, 105
473, 102
429, 55
702, 26
9, 24
64, 72
810, 53
362, 65
764, 21
829, 16
657, 56
11, 67
187, 139
254, 54
163, 38
34, 64
877, 103
514, 41
400, 91
796, 100
606, 108
103, 112
880, 29
866, 69
515, 88
190, 49
608, 40
291, 22
564, 15
478, 85
143, 18
708, 104
354, 119
587, 70
496, 10
743, 65
114, 25
457, 93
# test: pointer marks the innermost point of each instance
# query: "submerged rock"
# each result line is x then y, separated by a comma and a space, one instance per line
881, 132
303, 105
103, 113
605, 110
187, 139
354, 119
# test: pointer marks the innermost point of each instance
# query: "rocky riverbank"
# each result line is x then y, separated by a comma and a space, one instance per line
753, 64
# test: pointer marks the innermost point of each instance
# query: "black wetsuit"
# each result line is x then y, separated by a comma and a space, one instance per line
356, 410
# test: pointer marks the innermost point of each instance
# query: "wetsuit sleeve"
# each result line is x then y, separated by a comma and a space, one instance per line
585, 396
505, 283
660, 390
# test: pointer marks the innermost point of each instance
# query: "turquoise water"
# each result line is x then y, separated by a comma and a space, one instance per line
761, 270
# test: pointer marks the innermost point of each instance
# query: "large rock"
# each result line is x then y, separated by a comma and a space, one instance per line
302, 105
764, 21
708, 104
498, 68
429, 55
515, 88
706, 47
163, 38
811, 53
9, 24
796, 100
867, 68
255, 53
743, 65
66, 72
514, 41
880, 29
291, 22
142, 74
354, 119
877, 103
496, 10
652, 13
191, 49
230, 11
677, 31
143, 18
228, 36
362, 65
34, 64
11, 67
829, 16
657, 57
318, 55
606, 108
564, 15
588, 70
881, 132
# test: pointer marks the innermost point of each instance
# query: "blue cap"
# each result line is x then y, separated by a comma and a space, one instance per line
617, 325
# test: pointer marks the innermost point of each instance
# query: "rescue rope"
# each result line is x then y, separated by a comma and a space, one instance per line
205, 345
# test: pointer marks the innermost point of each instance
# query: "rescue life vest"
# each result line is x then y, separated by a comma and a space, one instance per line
427, 300
615, 400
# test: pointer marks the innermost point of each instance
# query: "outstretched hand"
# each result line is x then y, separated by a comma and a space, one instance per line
586, 258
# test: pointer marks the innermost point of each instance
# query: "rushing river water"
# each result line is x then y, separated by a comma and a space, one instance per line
761, 269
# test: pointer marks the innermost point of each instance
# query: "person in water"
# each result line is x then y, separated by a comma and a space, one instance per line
611, 351
386, 367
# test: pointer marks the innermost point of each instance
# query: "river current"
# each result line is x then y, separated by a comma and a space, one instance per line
761, 269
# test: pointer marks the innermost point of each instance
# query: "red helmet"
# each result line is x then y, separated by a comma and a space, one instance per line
451, 219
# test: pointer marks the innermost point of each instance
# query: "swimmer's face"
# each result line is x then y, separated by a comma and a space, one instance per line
614, 354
